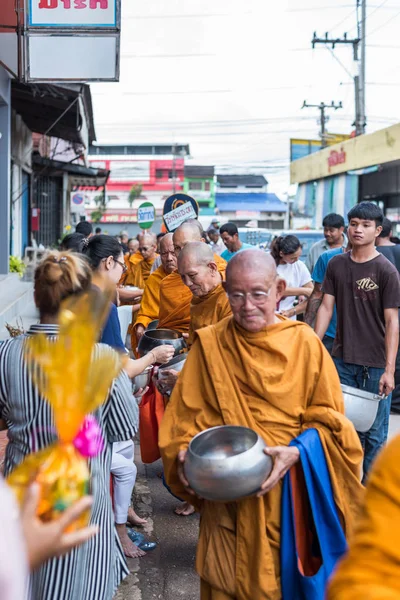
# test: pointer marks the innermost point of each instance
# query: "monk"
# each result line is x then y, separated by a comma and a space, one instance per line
371, 569
148, 250
175, 297
272, 374
131, 258
150, 305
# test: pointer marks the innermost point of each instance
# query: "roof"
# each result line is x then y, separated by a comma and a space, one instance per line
240, 180
54, 110
246, 202
199, 171
79, 174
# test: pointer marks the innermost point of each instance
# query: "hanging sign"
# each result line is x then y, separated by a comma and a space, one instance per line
73, 13
146, 215
178, 208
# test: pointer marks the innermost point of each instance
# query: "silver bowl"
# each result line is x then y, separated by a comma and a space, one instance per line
360, 407
152, 325
142, 380
226, 463
177, 364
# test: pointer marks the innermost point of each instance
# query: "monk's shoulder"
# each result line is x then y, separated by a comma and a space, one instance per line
386, 468
169, 280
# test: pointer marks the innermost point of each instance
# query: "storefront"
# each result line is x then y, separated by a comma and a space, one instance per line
362, 168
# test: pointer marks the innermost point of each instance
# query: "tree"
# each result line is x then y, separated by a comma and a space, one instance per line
135, 193
101, 203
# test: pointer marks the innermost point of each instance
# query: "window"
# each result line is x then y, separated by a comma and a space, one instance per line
195, 185
207, 186
159, 173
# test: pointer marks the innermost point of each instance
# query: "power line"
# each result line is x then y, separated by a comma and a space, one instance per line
383, 25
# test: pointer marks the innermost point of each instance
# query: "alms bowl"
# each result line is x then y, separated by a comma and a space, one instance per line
360, 407
226, 463
152, 325
158, 337
142, 380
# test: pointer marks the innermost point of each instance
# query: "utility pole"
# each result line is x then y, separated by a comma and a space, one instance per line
322, 107
359, 57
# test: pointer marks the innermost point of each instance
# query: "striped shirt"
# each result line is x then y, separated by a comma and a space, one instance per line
93, 571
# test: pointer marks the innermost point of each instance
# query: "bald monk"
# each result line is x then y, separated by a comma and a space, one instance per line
175, 297
150, 305
272, 374
131, 258
371, 569
148, 250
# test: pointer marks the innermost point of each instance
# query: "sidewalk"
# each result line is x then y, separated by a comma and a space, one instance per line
168, 572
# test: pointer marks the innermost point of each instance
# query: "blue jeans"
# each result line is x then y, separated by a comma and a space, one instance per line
328, 343
355, 376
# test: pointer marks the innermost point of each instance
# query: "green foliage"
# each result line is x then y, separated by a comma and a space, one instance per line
135, 193
101, 203
17, 265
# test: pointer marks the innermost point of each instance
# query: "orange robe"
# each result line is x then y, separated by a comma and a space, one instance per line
130, 261
279, 382
176, 298
208, 310
371, 569
141, 272
150, 304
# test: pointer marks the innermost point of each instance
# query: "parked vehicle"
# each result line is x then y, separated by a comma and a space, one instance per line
307, 238
256, 236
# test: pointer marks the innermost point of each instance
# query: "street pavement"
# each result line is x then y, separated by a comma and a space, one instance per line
168, 572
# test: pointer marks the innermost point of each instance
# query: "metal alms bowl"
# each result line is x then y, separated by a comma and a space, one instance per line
360, 407
176, 364
142, 380
226, 463
152, 325
158, 337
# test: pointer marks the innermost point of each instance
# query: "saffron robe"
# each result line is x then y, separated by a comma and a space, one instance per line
279, 382
150, 304
371, 568
208, 310
176, 298
130, 261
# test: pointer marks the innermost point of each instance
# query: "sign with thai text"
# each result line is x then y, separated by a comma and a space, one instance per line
129, 171
146, 215
178, 208
336, 158
73, 13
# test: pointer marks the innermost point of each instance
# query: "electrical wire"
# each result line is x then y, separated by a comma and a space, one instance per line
383, 25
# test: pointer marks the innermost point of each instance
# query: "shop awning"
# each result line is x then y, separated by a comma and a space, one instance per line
80, 176
249, 202
55, 110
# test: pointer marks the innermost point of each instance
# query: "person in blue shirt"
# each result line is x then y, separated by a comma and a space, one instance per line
315, 300
230, 236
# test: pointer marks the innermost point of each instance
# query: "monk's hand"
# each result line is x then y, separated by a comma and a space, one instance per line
181, 473
139, 330
386, 383
284, 457
185, 335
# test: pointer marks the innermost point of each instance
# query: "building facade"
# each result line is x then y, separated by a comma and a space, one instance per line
366, 167
244, 200
153, 171
200, 184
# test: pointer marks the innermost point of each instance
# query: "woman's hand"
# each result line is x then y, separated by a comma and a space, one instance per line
47, 540
284, 457
288, 313
162, 354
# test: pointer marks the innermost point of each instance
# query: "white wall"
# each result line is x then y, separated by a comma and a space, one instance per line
21, 155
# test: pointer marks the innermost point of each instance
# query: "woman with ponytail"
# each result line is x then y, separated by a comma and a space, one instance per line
286, 251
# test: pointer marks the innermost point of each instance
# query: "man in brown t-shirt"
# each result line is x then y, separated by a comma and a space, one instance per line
366, 289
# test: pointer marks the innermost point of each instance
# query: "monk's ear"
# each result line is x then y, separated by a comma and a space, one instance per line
280, 288
213, 266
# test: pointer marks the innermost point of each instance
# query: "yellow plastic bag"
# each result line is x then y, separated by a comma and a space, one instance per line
75, 379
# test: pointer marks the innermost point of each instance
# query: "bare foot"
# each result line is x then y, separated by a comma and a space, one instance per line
184, 510
130, 549
134, 519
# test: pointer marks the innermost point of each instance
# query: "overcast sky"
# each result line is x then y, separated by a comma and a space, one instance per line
229, 77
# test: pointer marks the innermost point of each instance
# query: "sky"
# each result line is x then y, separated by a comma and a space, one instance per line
229, 78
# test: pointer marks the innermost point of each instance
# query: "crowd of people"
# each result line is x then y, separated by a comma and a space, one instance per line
270, 339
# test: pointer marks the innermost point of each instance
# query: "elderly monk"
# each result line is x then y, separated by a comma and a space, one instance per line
371, 569
131, 259
272, 374
175, 296
148, 250
150, 305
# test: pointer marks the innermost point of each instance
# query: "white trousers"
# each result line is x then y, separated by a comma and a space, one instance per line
124, 471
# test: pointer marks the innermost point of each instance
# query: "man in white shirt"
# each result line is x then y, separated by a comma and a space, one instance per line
217, 245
